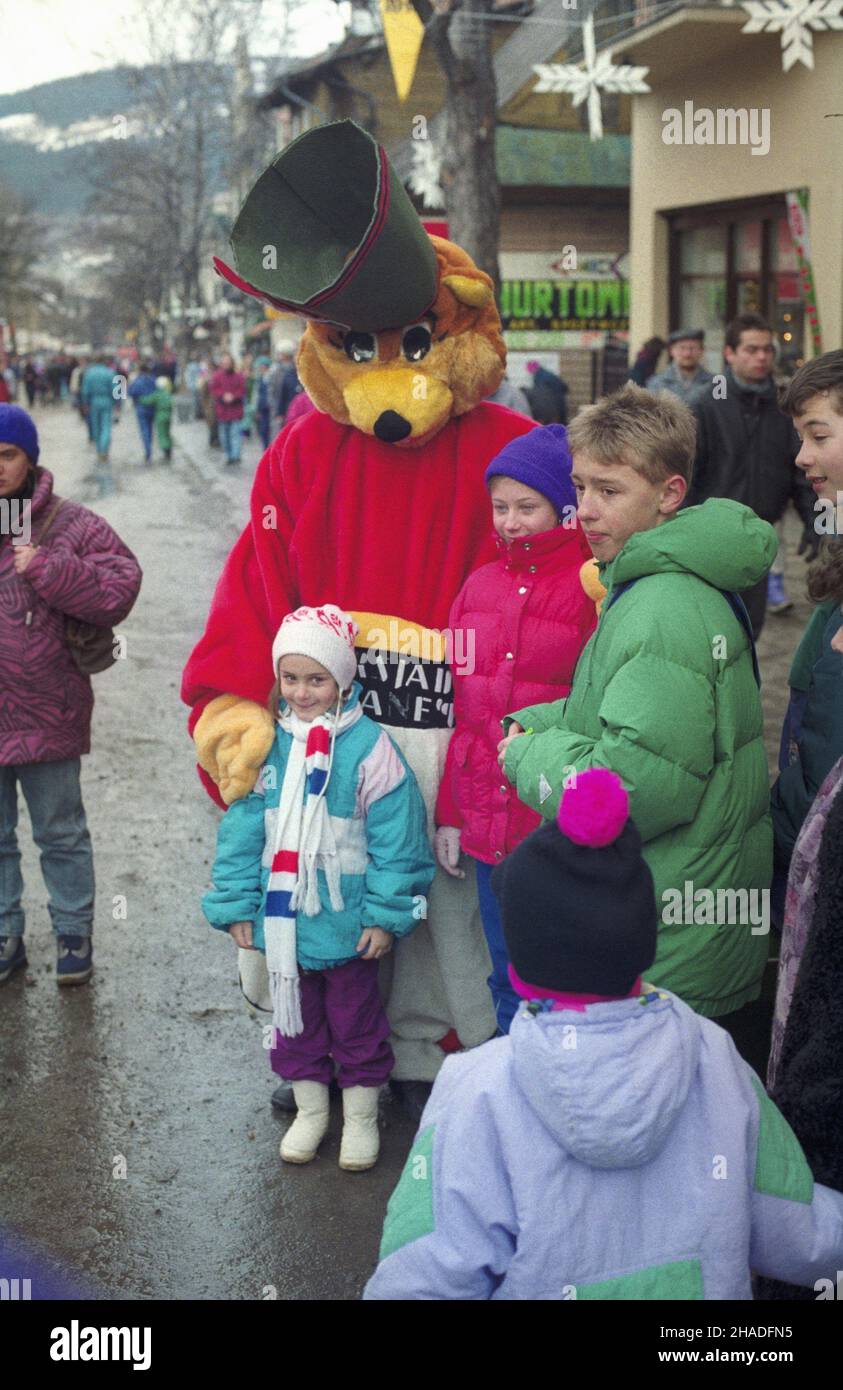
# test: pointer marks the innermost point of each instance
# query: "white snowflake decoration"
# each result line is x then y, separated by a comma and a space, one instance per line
599, 73
795, 19
426, 173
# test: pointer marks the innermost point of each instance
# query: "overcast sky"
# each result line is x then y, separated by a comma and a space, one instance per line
46, 39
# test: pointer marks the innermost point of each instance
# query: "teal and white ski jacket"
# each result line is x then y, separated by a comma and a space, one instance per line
380, 827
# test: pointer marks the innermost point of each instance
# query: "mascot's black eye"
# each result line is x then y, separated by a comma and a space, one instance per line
416, 342
360, 347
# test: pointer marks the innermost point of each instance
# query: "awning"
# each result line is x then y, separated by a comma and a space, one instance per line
527, 157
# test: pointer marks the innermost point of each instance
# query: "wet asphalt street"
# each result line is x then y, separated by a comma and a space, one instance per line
138, 1148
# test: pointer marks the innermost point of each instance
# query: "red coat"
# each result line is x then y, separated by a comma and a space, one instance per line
527, 618
388, 533
224, 383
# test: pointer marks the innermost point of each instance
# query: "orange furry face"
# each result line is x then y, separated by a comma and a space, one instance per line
402, 385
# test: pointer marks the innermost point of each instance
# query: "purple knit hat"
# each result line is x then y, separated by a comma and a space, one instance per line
18, 428
541, 459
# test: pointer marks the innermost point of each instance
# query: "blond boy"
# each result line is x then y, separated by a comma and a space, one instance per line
666, 695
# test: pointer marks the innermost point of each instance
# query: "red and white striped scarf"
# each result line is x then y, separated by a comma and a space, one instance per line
304, 843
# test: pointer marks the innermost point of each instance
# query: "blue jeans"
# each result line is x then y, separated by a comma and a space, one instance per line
231, 433
146, 415
59, 829
100, 423
504, 998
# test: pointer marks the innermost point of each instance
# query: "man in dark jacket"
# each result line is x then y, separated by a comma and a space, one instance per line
746, 447
548, 397
282, 382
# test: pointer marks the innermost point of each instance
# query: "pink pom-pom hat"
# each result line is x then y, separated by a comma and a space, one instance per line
577, 898
594, 809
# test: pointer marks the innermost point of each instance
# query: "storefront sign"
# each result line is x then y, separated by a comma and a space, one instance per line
797, 216
546, 296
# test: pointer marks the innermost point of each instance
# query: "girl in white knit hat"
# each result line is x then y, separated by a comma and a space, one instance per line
322, 867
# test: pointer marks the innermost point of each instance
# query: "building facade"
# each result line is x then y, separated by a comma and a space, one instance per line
736, 182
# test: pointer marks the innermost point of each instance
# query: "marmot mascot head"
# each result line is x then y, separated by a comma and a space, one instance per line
403, 331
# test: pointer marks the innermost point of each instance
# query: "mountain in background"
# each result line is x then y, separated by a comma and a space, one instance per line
50, 136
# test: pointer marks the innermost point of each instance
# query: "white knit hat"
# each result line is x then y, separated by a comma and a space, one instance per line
325, 634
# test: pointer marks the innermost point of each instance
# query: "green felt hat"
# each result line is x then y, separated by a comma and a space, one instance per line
329, 232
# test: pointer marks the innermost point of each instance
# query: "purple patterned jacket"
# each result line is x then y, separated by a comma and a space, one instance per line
82, 569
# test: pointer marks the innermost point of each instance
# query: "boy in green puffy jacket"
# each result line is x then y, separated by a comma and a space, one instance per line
665, 694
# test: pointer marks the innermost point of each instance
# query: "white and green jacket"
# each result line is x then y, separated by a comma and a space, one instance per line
623, 1152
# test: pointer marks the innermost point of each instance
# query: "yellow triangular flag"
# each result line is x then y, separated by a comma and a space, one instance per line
403, 31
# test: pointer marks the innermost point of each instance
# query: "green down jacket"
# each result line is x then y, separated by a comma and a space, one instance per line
664, 694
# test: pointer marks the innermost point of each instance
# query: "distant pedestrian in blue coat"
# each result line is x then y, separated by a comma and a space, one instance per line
321, 868
144, 385
614, 1145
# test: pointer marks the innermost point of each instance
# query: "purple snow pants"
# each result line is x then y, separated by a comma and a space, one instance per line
344, 1026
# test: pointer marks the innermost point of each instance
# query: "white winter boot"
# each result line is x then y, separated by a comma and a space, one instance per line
307, 1131
360, 1138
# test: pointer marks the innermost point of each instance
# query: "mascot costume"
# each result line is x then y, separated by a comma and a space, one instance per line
374, 501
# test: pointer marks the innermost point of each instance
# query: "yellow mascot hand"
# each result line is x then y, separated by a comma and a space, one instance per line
233, 737
593, 588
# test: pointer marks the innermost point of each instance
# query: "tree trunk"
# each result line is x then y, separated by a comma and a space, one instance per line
462, 41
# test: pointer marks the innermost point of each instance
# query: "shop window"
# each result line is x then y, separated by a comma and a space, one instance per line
704, 251
748, 248
736, 259
703, 305
788, 311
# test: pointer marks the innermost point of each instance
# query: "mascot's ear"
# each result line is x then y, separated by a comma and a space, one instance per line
474, 293
325, 393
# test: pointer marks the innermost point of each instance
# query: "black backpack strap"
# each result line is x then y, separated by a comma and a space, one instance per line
738, 607
621, 589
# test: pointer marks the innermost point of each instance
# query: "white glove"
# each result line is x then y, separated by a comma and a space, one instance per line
446, 846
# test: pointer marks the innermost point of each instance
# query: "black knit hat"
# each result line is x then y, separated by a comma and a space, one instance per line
576, 897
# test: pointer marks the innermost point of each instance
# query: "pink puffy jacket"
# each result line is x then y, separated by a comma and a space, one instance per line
524, 620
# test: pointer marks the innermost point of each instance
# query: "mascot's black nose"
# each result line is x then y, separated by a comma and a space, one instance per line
390, 427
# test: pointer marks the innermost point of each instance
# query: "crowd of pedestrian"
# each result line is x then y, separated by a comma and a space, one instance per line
38, 378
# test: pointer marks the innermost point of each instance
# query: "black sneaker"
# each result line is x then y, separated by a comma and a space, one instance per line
74, 964
12, 956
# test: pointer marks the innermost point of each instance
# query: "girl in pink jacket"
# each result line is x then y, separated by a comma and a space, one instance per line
521, 623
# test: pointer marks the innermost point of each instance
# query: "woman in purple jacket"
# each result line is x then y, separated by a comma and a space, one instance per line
83, 570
